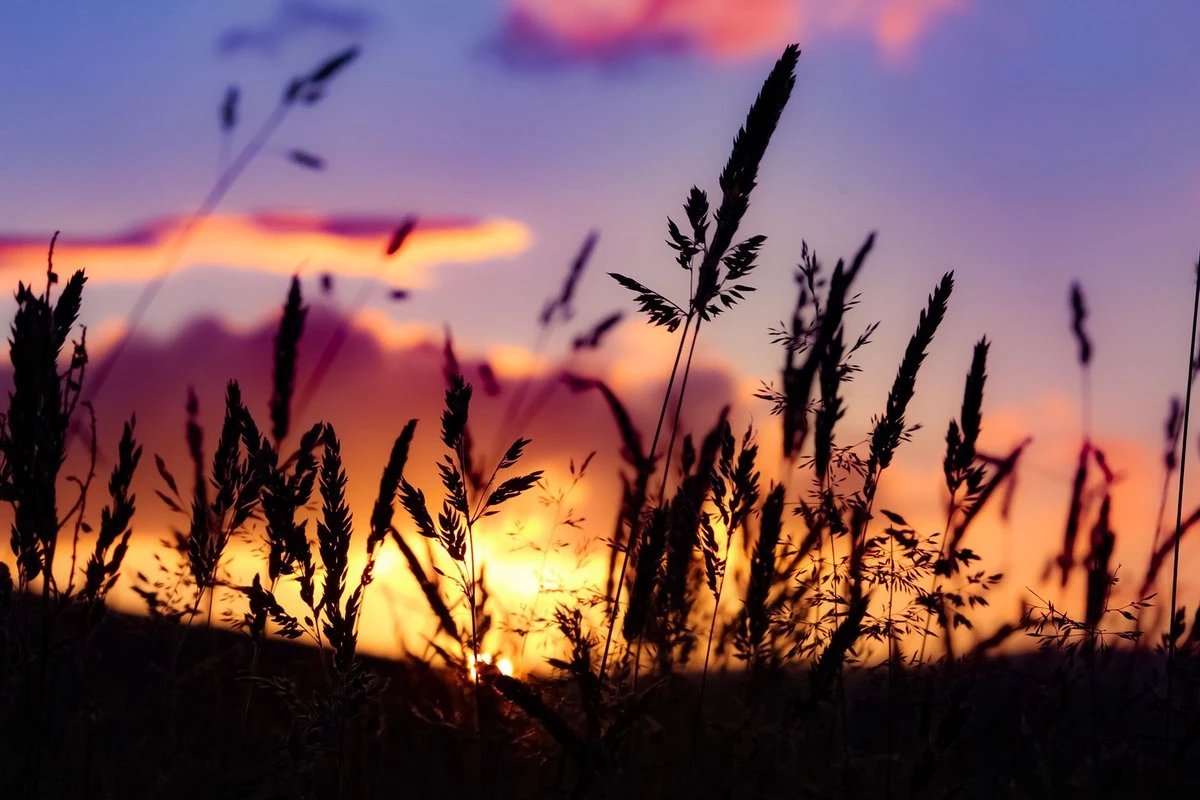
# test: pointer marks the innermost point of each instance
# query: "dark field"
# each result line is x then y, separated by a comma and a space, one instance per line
139, 717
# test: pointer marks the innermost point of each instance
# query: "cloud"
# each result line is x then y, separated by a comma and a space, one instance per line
896, 26
295, 19
562, 32
274, 241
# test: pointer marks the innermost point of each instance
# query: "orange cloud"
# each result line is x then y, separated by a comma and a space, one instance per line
275, 241
564, 31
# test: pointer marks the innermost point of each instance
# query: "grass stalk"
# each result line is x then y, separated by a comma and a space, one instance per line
614, 603
1187, 413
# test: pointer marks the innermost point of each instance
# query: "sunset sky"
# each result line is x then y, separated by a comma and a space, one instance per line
1021, 143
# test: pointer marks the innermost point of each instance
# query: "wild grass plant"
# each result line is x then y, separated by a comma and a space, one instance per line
758, 633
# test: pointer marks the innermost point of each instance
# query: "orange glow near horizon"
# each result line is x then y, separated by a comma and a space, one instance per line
528, 570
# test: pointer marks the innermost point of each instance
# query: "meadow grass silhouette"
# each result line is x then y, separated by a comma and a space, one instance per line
751, 640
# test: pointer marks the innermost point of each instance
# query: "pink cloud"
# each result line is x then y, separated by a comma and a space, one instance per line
896, 26
607, 31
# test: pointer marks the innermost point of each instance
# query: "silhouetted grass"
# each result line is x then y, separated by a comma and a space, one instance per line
831, 669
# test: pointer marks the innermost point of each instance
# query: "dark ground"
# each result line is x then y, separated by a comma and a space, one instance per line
143, 710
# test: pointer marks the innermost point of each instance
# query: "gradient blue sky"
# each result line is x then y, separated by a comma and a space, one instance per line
1023, 144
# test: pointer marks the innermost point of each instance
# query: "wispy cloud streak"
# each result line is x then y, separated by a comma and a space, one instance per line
275, 241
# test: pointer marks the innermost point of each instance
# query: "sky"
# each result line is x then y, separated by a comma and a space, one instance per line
1023, 144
